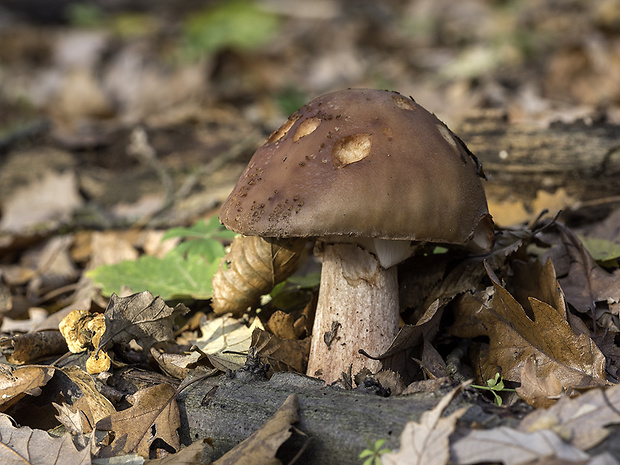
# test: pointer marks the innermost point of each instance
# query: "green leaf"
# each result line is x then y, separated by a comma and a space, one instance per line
210, 249
173, 277
235, 24
602, 250
202, 230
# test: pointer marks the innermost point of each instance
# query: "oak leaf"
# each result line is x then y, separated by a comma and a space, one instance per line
142, 317
515, 337
587, 283
154, 415
36, 447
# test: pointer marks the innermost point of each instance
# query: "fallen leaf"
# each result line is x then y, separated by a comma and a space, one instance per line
601, 250
142, 317
424, 280
33, 346
174, 276
427, 442
36, 447
582, 419
540, 392
48, 201
281, 354
94, 405
19, 382
225, 341
515, 338
190, 455
154, 415
586, 283
251, 268
261, 447
411, 341
512, 447
73, 420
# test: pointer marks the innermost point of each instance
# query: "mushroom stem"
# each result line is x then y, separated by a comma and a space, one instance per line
357, 309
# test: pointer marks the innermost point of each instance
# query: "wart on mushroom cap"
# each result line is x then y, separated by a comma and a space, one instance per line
367, 172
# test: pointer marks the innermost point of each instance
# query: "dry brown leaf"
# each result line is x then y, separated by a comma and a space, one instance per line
36, 447
582, 419
281, 354
70, 416
427, 442
74, 421
512, 447
541, 392
33, 346
586, 283
412, 338
154, 415
515, 338
190, 455
282, 325
224, 342
50, 201
424, 280
251, 268
142, 317
15, 384
261, 447
94, 405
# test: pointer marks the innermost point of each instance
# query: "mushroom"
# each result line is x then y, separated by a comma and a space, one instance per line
371, 175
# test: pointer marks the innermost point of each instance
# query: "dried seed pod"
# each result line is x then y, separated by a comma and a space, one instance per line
251, 268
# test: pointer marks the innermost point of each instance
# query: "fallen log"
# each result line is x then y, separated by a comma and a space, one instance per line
337, 422
556, 166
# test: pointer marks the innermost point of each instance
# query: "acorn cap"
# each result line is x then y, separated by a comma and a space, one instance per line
362, 163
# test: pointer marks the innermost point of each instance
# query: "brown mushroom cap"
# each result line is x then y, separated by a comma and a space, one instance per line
362, 163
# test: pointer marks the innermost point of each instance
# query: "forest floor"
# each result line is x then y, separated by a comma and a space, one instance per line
125, 125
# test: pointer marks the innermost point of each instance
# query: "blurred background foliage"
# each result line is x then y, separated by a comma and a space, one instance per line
209, 80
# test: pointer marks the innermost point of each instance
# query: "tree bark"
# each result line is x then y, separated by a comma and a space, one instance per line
520, 158
336, 421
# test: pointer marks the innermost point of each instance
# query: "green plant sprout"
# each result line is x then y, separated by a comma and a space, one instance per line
495, 385
374, 452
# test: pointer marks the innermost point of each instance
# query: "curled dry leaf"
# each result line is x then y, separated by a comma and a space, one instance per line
15, 384
428, 441
154, 415
33, 346
582, 420
142, 317
251, 268
88, 399
413, 341
281, 354
539, 392
586, 283
512, 447
515, 338
261, 447
36, 447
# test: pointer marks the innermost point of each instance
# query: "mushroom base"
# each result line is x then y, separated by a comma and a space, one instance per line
357, 309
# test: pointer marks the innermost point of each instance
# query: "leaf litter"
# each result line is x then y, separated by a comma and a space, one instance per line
582, 312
